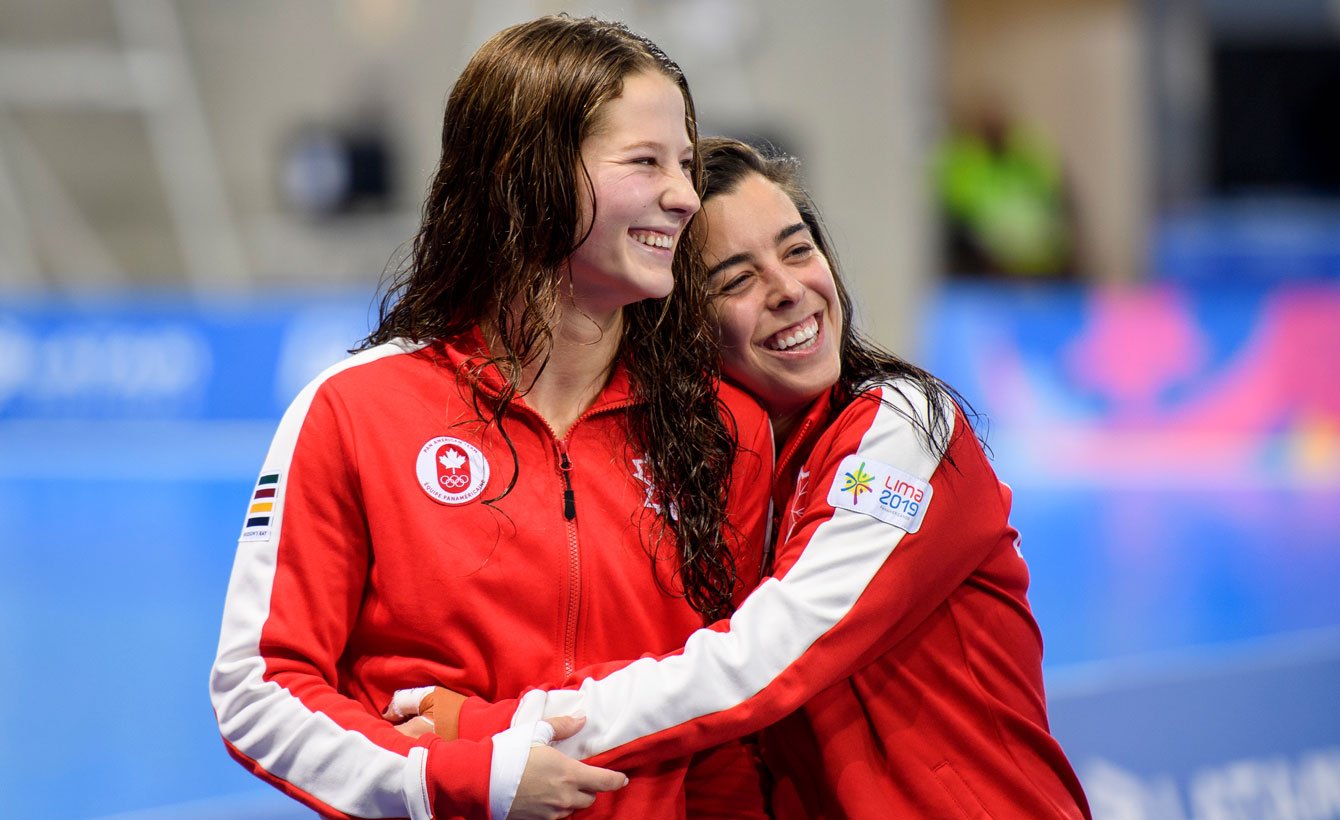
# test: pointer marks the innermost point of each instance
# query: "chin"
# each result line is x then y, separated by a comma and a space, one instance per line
657, 292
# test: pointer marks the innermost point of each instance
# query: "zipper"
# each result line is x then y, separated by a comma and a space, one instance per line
789, 453
574, 560
570, 520
570, 524
565, 467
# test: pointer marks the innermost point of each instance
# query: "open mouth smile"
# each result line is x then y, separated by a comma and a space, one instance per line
800, 336
653, 239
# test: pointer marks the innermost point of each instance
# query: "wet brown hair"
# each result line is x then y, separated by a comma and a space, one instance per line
499, 223
727, 163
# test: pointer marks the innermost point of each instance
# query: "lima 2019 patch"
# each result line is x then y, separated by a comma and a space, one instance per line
451, 471
880, 491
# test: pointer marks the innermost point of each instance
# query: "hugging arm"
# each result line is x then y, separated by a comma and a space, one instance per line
846, 588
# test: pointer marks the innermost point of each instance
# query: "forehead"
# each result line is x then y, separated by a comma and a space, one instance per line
747, 217
648, 103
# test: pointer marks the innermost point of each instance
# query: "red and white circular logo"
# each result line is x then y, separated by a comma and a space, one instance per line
451, 471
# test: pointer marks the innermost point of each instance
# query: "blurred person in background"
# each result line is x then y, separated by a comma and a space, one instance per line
1005, 200
476, 497
892, 645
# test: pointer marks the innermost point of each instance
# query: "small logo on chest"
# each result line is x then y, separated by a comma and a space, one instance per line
649, 501
798, 502
451, 471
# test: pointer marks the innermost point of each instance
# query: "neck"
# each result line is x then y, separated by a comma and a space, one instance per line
561, 386
783, 425
785, 421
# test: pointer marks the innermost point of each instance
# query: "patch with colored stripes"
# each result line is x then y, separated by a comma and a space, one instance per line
261, 509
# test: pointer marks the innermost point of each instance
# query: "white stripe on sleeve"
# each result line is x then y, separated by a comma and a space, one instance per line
264, 721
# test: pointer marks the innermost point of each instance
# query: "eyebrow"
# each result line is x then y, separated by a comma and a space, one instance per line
652, 145
782, 235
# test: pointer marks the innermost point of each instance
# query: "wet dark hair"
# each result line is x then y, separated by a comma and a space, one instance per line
499, 223
727, 163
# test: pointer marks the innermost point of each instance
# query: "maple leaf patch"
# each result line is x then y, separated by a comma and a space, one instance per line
451, 471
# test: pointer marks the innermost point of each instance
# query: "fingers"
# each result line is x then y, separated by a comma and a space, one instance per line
415, 727
405, 703
554, 785
442, 708
566, 726
593, 780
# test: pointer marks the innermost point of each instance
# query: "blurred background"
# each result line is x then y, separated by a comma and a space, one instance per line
1114, 225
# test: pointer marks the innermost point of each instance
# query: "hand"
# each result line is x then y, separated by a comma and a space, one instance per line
437, 710
554, 785
415, 727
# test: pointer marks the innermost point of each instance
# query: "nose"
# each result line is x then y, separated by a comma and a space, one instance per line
679, 195
784, 289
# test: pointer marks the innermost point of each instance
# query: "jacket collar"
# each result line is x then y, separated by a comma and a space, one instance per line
801, 441
468, 349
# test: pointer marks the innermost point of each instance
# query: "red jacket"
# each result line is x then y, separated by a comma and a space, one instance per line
376, 555
895, 627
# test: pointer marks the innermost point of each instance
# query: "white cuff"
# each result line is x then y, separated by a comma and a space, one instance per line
415, 785
511, 751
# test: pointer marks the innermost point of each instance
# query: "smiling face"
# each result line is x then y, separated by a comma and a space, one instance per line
777, 305
639, 157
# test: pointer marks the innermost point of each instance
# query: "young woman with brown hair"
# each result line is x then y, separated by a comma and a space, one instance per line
526, 469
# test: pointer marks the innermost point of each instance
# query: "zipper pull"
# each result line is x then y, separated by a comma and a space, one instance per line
569, 502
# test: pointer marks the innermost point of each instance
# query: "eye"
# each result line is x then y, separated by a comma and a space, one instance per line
645, 161
801, 251
733, 282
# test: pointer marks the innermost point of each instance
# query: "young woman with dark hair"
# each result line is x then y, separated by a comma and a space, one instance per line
525, 469
892, 644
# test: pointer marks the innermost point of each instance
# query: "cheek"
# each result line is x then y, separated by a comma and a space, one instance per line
822, 283
738, 360
734, 328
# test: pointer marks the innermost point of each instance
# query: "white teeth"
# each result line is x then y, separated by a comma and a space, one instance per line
655, 240
800, 337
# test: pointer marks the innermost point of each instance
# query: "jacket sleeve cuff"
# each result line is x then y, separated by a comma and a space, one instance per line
511, 752
454, 781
